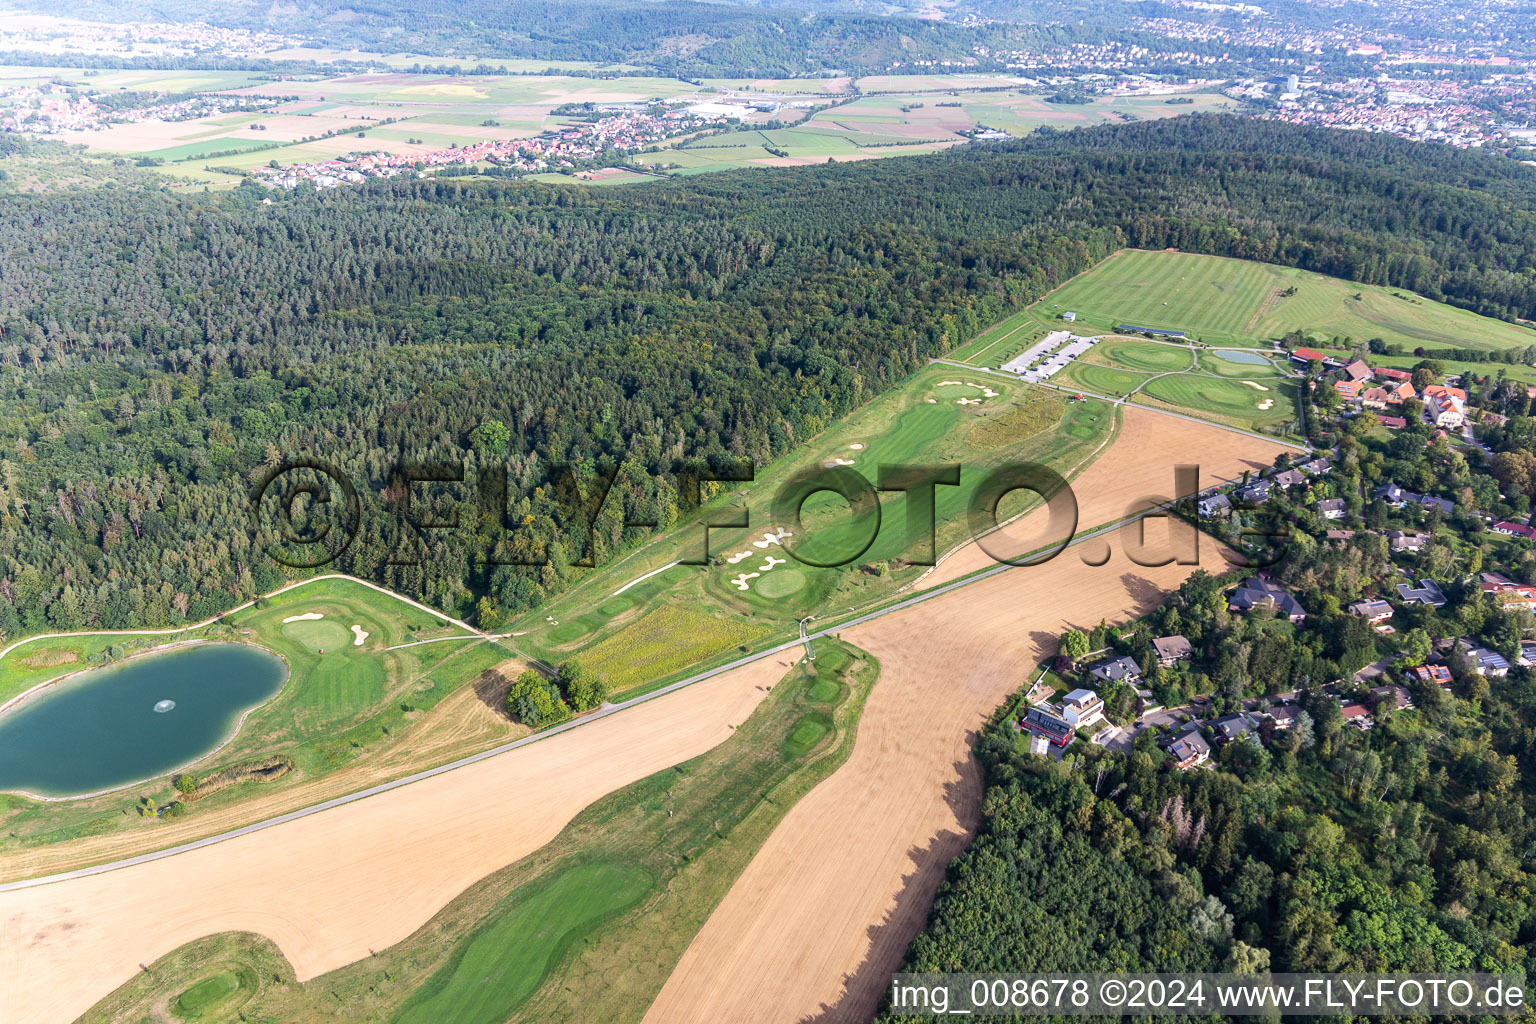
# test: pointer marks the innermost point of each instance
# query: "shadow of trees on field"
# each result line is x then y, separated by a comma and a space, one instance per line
888, 940
491, 687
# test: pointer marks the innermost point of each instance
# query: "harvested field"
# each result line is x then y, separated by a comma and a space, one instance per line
313, 885
1139, 463
819, 920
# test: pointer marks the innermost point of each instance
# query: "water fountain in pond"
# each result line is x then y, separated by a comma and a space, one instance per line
165, 705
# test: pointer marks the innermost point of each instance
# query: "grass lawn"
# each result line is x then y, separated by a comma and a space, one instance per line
596, 919
1225, 401
1241, 303
1103, 379
1142, 356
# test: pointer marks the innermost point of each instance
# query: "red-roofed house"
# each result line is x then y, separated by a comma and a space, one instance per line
1304, 356
1388, 373
1347, 388
1437, 674
1514, 529
1401, 393
1395, 422
1374, 398
1441, 391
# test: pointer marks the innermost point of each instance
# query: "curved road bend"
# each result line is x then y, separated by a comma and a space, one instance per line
603, 712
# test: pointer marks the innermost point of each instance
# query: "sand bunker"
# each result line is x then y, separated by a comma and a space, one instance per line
1267, 403
359, 634
771, 563
967, 401
741, 578
836, 463
776, 537
1259, 387
856, 447
306, 617
738, 556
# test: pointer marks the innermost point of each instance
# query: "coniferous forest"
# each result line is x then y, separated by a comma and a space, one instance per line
159, 352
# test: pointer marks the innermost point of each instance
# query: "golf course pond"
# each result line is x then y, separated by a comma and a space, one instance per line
115, 726
1238, 356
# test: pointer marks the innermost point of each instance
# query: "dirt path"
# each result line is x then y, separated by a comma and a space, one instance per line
330, 887
821, 917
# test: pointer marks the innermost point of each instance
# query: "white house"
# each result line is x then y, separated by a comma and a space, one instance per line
1082, 708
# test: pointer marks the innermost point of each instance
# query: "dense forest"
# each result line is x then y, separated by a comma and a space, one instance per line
159, 352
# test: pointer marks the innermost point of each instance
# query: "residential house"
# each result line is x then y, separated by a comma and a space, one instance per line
1318, 466
1348, 390
1441, 391
1082, 708
1230, 727
1357, 715
1042, 723
1255, 491
1401, 699
1283, 715
1395, 422
1289, 478
1427, 592
1339, 534
1514, 529
1448, 411
1391, 494
1484, 661
1357, 371
1172, 649
1331, 508
1527, 656
1123, 668
1257, 591
1374, 398
1410, 542
1507, 593
1400, 393
1436, 674
1302, 356
1189, 749
1214, 505
1374, 611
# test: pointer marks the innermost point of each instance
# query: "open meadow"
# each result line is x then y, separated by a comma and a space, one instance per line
1241, 303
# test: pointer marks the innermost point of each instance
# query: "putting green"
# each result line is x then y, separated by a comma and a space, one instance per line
1104, 379
781, 582
954, 391
1211, 395
1149, 356
573, 629
616, 606
320, 634
806, 734
214, 997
